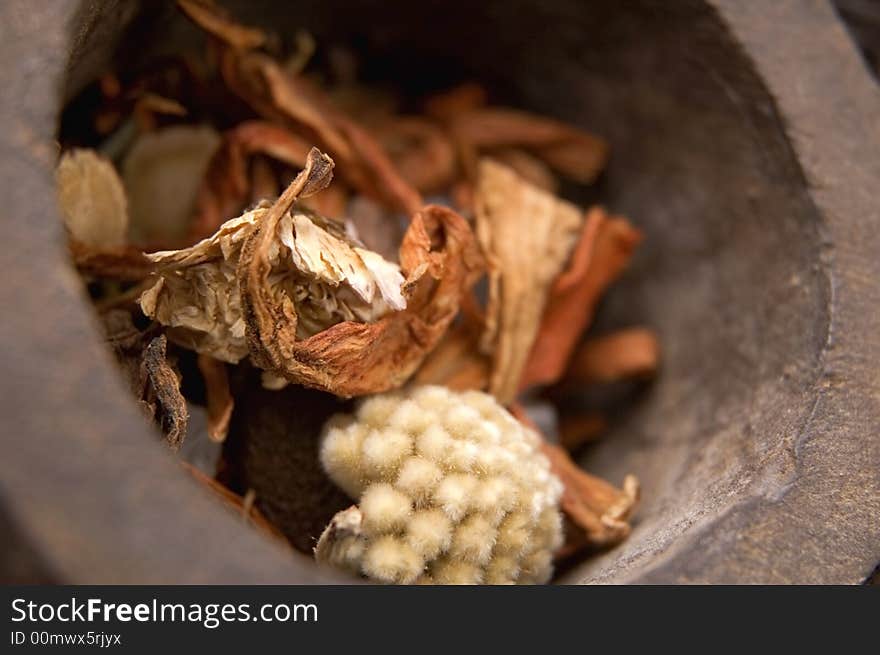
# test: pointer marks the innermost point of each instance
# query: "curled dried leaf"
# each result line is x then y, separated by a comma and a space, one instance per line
527, 235
572, 152
160, 393
602, 253
92, 200
626, 354
162, 173
421, 151
294, 102
456, 101
599, 510
215, 21
226, 186
121, 263
219, 397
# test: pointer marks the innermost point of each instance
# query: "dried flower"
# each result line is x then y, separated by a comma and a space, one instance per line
450, 489
92, 200
527, 235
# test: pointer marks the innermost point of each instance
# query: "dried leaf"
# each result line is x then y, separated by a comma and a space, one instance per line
120, 263
92, 200
219, 398
251, 514
626, 354
572, 152
313, 278
577, 429
160, 393
440, 261
421, 151
597, 508
456, 362
226, 187
215, 21
294, 102
162, 173
456, 101
603, 251
527, 235
528, 167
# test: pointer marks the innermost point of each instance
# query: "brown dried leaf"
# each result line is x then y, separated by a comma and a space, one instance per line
603, 251
572, 152
309, 277
527, 235
456, 101
596, 507
456, 362
215, 21
219, 398
251, 514
92, 200
160, 393
421, 151
295, 102
600, 509
577, 429
162, 173
633, 353
226, 187
121, 263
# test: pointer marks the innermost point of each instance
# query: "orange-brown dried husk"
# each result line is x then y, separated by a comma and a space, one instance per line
226, 187
575, 430
526, 235
633, 353
421, 151
572, 152
440, 261
602, 253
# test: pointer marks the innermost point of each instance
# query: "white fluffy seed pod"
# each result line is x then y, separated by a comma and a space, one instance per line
450, 489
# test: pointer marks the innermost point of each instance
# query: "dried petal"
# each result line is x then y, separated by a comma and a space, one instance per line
219, 398
214, 20
226, 188
421, 151
527, 235
599, 509
626, 354
572, 152
458, 100
604, 249
160, 393
528, 167
162, 174
92, 200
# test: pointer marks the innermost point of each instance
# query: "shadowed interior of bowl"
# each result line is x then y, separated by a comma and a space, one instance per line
729, 272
